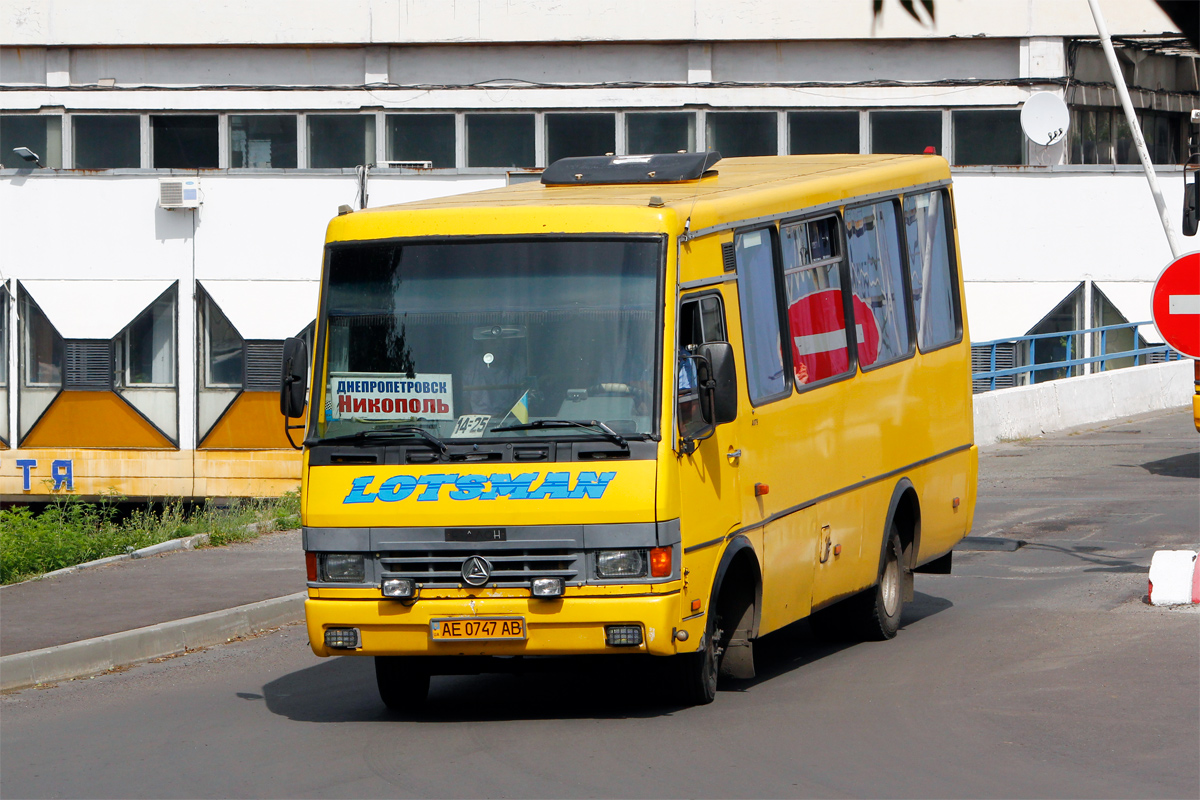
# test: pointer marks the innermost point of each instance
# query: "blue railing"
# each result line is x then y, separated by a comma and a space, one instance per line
1138, 353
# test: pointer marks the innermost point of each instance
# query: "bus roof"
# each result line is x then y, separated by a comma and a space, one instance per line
735, 189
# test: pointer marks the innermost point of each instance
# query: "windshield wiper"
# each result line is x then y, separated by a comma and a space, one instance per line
392, 433
600, 427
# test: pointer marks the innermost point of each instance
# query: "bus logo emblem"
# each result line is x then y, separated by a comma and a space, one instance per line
476, 571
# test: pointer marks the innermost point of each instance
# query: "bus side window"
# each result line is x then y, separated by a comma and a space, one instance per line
765, 377
812, 278
877, 276
701, 321
931, 270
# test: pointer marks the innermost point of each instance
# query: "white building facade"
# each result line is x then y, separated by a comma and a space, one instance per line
141, 341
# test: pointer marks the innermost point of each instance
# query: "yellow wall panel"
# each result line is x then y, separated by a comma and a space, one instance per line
252, 421
93, 419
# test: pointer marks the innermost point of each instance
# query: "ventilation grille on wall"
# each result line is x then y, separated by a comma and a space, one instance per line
89, 364
729, 257
981, 361
264, 366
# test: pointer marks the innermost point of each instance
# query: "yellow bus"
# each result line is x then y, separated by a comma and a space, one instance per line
655, 404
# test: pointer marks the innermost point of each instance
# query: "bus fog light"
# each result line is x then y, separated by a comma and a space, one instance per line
399, 587
343, 567
342, 638
622, 635
547, 587
621, 564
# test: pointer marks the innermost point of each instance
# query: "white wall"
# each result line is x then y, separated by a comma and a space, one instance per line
153, 22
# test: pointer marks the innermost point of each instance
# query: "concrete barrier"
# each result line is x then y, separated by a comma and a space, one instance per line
1173, 577
1025, 411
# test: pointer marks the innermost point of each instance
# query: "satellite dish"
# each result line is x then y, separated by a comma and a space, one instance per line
1045, 118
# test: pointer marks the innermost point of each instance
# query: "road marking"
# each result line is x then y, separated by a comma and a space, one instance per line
1183, 304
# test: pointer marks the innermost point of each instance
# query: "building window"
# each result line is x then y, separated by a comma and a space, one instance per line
931, 270
1102, 136
4, 323
906, 131
743, 133
500, 140
877, 276
43, 349
262, 141
812, 278
569, 135
339, 141
223, 356
421, 137
816, 132
755, 258
40, 133
146, 349
988, 137
184, 141
660, 132
108, 141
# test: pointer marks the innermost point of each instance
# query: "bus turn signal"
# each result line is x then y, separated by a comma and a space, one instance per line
660, 562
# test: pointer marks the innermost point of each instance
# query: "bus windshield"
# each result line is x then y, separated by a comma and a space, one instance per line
460, 338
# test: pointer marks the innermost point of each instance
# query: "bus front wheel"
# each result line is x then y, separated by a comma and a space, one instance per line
403, 683
697, 673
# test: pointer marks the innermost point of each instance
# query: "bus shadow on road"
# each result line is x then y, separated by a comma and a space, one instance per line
608, 687
1185, 465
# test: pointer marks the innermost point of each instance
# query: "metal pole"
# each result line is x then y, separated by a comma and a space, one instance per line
1131, 117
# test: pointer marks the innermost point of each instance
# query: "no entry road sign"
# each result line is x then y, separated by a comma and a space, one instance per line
1176, 304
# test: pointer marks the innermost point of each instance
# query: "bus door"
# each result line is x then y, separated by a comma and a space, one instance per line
709, 483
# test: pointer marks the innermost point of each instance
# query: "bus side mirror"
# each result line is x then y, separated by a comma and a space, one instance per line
1191, 204
293, 388
724, 377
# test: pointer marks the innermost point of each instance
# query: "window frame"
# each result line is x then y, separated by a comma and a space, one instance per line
206, 348
122, 351
847, 288
780, 313
902, 244
952, 259
226, 133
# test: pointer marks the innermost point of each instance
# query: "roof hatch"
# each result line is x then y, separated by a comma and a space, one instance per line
663, 168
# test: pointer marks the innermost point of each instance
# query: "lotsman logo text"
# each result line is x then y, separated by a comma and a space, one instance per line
555, 486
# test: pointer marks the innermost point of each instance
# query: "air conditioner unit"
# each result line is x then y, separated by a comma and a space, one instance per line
179, 193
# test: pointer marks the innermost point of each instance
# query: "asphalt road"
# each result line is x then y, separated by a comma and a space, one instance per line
1038, 672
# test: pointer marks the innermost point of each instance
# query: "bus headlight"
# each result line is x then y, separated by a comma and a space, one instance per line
343, 567
547, 587
621, 564
399, 587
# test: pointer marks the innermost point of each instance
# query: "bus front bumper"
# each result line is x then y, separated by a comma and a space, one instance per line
565, 626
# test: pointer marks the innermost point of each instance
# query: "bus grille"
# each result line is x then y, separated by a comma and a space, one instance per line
510, 568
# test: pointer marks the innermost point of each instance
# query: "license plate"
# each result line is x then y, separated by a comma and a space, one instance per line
477, 629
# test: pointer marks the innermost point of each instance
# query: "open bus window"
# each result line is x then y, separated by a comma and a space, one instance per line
877, 276
930, 268
812, 278
765, 377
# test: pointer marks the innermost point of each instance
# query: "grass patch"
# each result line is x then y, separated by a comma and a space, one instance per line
70, 531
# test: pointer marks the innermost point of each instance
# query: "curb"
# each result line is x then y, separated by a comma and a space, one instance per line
169, 546
92, 656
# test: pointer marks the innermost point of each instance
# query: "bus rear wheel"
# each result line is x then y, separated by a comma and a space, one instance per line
871, 615
403, 683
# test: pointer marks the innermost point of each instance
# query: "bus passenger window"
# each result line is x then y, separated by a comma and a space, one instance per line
812, 277
930, 269
760, 316
877, 276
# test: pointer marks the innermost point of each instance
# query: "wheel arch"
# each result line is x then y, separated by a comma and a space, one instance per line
904, 510
739, 566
